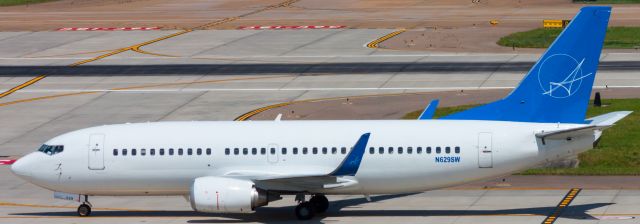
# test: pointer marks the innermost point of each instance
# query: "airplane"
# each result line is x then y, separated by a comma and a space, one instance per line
236, 167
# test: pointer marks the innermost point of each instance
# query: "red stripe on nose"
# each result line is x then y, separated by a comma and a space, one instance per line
7, 161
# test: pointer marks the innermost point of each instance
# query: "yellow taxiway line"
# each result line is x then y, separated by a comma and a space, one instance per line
136, 47
562, 205
374, 44
21, 86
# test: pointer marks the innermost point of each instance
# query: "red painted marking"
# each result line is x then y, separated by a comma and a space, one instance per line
7, 161
288, 27
107, 28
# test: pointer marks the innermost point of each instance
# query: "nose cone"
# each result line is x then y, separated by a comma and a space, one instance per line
22, 168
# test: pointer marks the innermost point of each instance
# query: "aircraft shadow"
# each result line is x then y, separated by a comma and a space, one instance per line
285, 214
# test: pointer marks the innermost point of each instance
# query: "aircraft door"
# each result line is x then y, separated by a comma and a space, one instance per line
272, 153
485, 151
96, 152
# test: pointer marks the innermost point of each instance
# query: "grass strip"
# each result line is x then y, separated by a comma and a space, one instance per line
617, 38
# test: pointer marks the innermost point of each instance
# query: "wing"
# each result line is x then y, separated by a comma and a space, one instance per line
310, 179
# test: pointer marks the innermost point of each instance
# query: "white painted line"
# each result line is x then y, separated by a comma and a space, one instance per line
283, 89
222, 57
225, 57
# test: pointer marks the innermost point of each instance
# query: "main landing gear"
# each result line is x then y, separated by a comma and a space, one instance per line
307, 209
85, 208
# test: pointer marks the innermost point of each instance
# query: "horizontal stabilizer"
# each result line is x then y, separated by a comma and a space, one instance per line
597, 124
609, 119
429, 111
569, 133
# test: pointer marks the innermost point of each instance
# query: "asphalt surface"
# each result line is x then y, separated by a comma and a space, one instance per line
219, 75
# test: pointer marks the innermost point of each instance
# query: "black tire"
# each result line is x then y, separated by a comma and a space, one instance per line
305, 211
84, 210
320, 203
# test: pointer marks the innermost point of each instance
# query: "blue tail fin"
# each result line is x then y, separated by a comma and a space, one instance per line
558, 86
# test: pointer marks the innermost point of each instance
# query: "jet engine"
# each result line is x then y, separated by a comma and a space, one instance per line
226, 195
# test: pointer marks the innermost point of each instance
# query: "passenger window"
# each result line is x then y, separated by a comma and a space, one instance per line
143, 152
124, 152
180, 151
263, 151
419, 150
170, 151
273, 151
372, 150
324, 150
236, 151
343, 150
295, 150
254, 151
115, 152
390, 150
447, 149
315, 150
381, 150
245, 151
457, 149
227, 151
162, 152
208, 151
438, 150
284, 151
133, 152
152, 152
199, 151
334, 150
409, 150
429, 150
304, 150
400, 150
189, 151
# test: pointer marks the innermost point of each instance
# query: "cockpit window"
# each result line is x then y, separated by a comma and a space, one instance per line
51, 149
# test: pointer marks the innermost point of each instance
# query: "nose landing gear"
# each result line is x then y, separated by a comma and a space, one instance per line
85, 208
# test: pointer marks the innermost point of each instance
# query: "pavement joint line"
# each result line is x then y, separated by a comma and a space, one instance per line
497, 69
564, 203
374, 44
136, 47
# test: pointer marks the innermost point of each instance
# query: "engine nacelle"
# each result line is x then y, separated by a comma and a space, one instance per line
226, 195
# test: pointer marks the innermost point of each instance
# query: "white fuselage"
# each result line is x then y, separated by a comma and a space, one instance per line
486, 149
